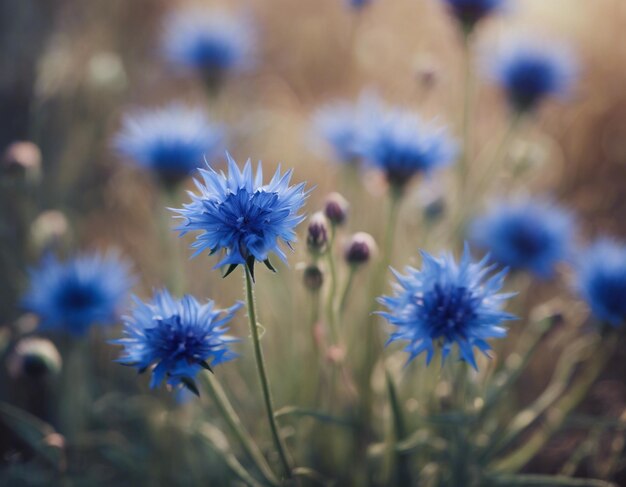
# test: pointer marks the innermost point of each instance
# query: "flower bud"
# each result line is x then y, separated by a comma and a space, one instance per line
336, 208
22, 160
434, 210
34, 358
49, 228
313, 277
317, 234
360, 248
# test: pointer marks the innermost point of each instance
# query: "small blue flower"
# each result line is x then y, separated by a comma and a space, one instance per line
208, 41
445, 303
470, 12
401, 145
242, 216
531, 235
178, 337
530, 71
86, 290
601, 280
358, 4
343, 125
172, 142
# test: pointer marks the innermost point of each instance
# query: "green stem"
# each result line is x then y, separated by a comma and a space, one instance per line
170, 243
332, 289
401, 467
260, 365
230, 416
463, 166
346, 291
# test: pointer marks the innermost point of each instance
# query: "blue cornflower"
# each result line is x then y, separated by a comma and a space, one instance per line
179, 337
83, 291
242, 216
358, 4
401, 145
531, 235
172, 141
470, 12
444, 303
530, 71
343, 126
211, 42
601, 280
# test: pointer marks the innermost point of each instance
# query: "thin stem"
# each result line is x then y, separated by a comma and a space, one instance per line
346, 291
332, 289
170, 243
260, 365
402, 471
463, 166
230, 416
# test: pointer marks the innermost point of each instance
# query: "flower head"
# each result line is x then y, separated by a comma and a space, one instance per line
532, 235
177, 337
83, 291
211, 42
172, 141
342, 125
530, 71
401, 145
242, 216
358, 4
601, 280
470, 12
445, 303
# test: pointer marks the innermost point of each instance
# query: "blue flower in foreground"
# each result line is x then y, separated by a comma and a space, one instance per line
242, 216
171, 141
601, 280
343, 125
212, 42
470, 12
179, 337
86, 290
445, 303
531, 235
530, 71
401, 145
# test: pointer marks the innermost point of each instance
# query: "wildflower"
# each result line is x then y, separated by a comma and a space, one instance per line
176, 337
529, 71
530, 235
360, 249
470, 12
401, 145
172, 141
73, 295
313, 278
358, 4
336, 209
242, 216
35, 358
445, 303
317, 234
342, 125
208, 41
601, 280
22, 161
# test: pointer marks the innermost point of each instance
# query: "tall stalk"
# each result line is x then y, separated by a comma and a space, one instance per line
260, 365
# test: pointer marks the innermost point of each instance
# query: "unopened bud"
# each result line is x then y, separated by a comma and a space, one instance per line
49, 228
313, 277
434, 209
360, 248
22, 160
317, 234
34, 358
336, 208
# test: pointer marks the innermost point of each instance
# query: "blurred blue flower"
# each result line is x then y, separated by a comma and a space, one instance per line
178, 337
401, 145
470, 12
172, 141
343, 124
445, 303
529, 70
209, 41
532, 235
86, 290
241, 215
601, 280
358, 4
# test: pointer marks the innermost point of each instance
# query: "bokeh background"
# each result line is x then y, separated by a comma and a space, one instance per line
69, 70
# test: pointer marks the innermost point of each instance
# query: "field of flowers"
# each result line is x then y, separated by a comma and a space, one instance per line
339, 243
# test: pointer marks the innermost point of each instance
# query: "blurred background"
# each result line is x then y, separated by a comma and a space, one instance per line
70, 69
